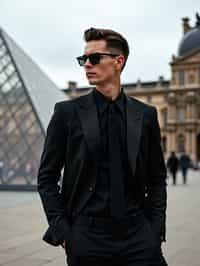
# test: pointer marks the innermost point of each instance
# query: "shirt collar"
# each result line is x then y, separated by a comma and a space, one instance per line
103, 102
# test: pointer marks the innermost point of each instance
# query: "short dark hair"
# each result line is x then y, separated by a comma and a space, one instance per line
113, 39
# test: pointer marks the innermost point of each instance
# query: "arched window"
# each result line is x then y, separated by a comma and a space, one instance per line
181, 114
164, 117
181, 143
181, 77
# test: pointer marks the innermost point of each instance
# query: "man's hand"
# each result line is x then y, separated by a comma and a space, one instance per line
63, 244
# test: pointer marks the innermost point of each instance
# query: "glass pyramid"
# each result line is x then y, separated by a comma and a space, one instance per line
27, 99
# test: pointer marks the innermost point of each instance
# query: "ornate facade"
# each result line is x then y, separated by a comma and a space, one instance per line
177, 100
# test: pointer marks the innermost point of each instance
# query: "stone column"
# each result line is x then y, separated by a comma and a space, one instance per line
171, 141
168, 143
173, 146
172, 113
188, 111
190, 108
171, 138
188, 144
191, 128
193, 111
194, 145
171, 99
191, 143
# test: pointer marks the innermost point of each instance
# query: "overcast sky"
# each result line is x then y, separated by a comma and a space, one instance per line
51, 33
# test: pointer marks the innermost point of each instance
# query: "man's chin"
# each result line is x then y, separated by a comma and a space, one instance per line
92, 81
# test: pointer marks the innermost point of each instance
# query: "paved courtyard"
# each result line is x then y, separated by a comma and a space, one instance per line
22, 223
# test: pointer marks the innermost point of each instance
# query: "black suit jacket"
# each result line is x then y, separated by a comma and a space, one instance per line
72, 145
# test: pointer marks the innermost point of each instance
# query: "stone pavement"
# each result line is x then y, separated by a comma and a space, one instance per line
22, 223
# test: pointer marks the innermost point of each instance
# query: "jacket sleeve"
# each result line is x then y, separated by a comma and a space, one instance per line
49, 174
156, 188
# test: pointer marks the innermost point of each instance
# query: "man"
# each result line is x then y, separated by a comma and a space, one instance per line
172, 165
112, 204
2, 171
185, 163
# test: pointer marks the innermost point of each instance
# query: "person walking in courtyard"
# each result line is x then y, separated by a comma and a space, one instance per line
184, 162
2, 172
111, 206
172, 165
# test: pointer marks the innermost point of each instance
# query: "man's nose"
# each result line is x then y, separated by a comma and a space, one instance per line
87, 63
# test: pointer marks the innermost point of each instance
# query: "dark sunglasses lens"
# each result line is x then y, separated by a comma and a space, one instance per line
94, 58
81, 60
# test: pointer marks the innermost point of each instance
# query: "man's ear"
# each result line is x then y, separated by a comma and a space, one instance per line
120, 62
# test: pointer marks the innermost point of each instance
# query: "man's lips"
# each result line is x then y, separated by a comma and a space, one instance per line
88, 74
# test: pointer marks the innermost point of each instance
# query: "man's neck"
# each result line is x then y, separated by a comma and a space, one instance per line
110, 91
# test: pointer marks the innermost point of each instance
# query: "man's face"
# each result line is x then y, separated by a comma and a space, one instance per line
108, 67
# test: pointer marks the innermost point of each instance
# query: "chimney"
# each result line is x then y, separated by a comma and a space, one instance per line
186, 25
138, 84
160, 79
72, 85
173, 58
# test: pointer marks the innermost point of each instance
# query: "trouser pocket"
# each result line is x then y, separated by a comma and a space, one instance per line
151, 234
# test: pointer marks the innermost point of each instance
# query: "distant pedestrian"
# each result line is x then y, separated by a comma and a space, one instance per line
184, 162
1, 170
172, 165
29, 170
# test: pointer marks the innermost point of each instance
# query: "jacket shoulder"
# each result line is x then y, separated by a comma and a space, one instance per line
146, 108
66, 105
72, 102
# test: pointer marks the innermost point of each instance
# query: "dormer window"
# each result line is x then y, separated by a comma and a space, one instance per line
181, 77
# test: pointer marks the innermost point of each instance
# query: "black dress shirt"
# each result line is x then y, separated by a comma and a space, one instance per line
99, 203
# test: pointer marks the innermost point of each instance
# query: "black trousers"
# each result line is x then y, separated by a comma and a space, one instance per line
184, 174
102, 242
174, 172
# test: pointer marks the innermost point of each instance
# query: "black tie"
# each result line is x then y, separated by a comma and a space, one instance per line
116, 172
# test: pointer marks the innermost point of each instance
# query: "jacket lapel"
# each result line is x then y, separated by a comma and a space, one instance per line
89, 120
88, 116
134, 128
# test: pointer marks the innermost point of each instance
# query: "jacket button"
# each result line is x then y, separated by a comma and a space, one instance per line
90, 189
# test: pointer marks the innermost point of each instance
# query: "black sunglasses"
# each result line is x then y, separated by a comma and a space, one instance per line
94, 58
